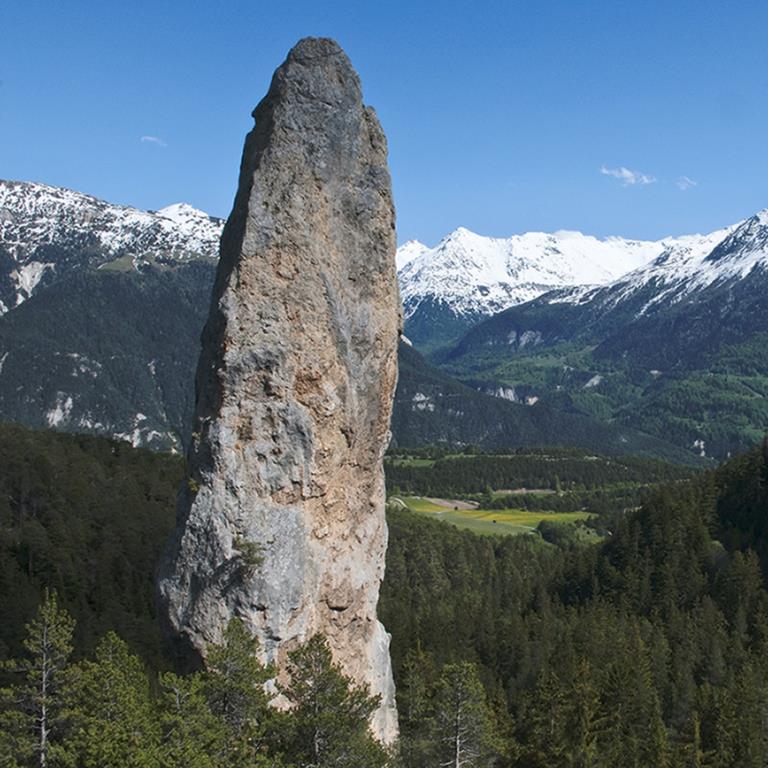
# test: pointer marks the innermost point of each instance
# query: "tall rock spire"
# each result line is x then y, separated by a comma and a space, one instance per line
281, 519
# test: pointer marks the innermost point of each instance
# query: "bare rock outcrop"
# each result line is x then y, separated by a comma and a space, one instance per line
281, 520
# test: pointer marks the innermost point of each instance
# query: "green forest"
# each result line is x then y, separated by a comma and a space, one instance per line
649, 648
431, 471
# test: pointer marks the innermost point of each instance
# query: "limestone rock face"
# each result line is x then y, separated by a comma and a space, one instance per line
295, 386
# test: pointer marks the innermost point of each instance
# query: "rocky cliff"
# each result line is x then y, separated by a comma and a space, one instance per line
281, 521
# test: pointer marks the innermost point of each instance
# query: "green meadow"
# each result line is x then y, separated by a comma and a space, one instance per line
487, 521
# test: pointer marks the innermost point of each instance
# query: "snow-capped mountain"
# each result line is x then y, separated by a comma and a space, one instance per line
468, 277
46, 231
689, 271
409, 251
102, 308
687, 266
675, 347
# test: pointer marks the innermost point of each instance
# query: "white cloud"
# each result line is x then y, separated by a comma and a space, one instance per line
685, 182
627, 177
153, 140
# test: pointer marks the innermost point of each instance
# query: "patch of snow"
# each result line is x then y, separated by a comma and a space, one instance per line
505, 393
2, 360
83, 364
595, 381
422, 402
61, 410
86, 422
530, 337
409, 251
139, 435
27, 277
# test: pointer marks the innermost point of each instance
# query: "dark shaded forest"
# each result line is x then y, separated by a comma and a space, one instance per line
87, 518
434, 473
648, 649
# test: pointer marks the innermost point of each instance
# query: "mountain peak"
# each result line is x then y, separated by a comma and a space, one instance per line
182, 211
745, 248
465, 237
89, 232
461, 232
473, 276
409, 251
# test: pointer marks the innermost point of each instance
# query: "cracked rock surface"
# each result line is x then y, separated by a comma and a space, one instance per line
281, 521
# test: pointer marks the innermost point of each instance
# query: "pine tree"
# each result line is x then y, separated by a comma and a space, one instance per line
329, 722
235, 689
415, 698
33, 711
545, 719
692, 754
465, 730
657, 748
116, 724
746, 720
192, 736
581, 728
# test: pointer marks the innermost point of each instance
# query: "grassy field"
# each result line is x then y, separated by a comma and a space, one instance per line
411, 461
488, 521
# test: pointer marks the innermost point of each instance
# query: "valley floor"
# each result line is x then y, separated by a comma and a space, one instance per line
487, 522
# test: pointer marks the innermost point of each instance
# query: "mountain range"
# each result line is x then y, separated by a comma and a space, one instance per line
675, 348
48, 232
467, 278
102, 307
101, 318
100, 312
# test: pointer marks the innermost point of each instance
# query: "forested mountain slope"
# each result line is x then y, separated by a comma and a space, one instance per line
108, 353
675, 349
101, 307
433, 408
643, 650
107, 340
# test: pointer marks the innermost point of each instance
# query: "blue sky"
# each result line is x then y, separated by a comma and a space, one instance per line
634, 118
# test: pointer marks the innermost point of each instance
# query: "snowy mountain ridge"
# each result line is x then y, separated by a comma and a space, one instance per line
479, 276
46, 230
685, 266
467, 277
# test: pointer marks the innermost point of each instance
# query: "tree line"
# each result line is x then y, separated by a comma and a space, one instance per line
561, 470
650, 649
647, 649
106, 710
